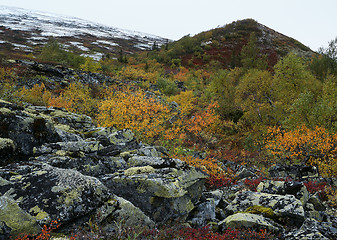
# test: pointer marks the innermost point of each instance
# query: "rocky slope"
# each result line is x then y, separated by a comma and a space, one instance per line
56, 165
25, 30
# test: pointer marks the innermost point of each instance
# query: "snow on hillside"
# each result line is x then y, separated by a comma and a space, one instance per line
41, 25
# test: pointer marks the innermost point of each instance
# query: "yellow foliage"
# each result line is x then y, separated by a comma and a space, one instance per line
185, 101
136, 73
37, 95
75, 98
313, 146
135, 110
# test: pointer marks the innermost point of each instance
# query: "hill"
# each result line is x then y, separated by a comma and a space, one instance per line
224, 44
25, 31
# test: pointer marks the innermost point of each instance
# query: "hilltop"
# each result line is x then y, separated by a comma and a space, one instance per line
224, 44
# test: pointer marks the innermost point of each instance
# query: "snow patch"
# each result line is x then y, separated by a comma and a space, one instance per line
96, 56
80, 46
107, 43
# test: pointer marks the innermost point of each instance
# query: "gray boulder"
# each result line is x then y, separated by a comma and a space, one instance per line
50, 193
296, 189
248, 220
161, 192
284, 207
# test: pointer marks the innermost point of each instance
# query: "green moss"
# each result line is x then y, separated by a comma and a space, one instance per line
17, 219
256, 209
38, 213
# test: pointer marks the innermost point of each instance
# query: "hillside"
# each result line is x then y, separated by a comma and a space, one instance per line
229, 134
224, 44
24, 31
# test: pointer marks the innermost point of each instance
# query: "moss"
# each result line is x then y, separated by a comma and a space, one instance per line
6, 111
39, 214
16, 178
6, 143
256, 209
17, 219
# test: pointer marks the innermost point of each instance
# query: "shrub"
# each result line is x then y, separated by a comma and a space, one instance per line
134, 109
316, 147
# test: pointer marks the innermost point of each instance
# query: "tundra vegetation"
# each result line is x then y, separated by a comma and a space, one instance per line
252, 112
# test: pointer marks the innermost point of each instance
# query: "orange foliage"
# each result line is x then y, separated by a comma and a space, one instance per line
313, 146
143, 114
208, 165
204, 125
182, 75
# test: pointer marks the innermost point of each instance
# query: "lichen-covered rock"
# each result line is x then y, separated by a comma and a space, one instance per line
293, 171
129, 215
285, 207
7, 150
50, 193
312, 229
15, 220
203, 213
248, 220
161, 193
296, 189
25, 130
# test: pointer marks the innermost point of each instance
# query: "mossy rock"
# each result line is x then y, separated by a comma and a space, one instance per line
264, 211
15, 218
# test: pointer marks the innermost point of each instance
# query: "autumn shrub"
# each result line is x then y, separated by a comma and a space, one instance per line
138, 72
45, 232
203, 126
317, 187
75, 98
253, 183
37, 95
331, 196
8, 85
219, 181
167, 86
137, 110
316, 147
209, 165
204, 233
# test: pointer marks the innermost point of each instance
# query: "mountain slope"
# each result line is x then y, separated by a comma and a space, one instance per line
224, 44
24, 30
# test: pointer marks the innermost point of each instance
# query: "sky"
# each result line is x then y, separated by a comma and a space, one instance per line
312, 22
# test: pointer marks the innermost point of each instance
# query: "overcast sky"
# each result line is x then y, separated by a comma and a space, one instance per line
312, 22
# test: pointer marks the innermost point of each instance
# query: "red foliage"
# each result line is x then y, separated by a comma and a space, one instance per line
218, 181
314, 187
45, 232
206, 233
253, 183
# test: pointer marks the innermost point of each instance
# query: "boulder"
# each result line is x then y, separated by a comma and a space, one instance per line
293, 171
296, 189
163, 193
14, 220
312, 229
25, 130
203, 213
248, 220
50, 193
285, 207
